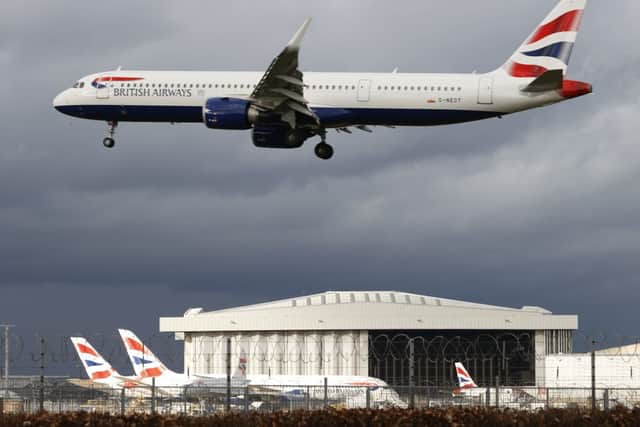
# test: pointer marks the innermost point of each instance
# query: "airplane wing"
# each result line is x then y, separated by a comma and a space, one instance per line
90, 384
281, 89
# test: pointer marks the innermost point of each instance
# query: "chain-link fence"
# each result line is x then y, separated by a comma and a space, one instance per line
62, 396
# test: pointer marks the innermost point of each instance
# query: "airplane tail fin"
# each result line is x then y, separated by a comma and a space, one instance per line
145, 363
549, 46
464, 379
241, 369
97, 368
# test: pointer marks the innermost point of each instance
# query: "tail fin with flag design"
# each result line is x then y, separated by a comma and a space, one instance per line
145, 363
549, 46
97, 368
464, 379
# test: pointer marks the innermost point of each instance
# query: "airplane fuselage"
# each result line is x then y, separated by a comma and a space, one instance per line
338, 99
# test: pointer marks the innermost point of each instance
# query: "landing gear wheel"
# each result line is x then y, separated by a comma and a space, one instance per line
109, 142
324, 151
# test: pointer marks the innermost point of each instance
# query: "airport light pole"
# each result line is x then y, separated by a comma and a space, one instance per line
6, 354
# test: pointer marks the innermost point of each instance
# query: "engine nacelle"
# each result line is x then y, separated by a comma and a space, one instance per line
227, 113
278, 135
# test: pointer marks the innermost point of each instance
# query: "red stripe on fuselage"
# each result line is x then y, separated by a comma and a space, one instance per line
570, 21
118, 79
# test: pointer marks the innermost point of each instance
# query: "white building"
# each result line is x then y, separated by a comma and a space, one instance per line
617, 367
368, 333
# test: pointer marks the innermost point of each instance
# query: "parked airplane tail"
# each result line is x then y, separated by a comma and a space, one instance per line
241, 369
464, 379
549, 46
145, 363
97, 368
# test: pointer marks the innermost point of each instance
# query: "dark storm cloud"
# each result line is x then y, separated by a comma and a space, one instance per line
540, 208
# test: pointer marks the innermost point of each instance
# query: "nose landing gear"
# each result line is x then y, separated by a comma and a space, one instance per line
109, 142
324, 150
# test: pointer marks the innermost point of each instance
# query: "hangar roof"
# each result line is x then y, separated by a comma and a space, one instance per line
376, 310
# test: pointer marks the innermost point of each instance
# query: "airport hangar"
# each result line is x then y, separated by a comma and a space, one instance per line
369, 333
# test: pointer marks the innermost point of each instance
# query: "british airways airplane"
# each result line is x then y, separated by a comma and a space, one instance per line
284, 107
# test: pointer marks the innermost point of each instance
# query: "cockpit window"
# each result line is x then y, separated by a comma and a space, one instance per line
78, 85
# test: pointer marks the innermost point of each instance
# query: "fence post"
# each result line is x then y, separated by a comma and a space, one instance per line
307, 400
326, 392
246, 399
228, 401
593, 376
412, 392
606, 399
368, 398
2, 404
498, 391
547, 402
41, 391
122, 401
488, 397
184, 400
153, 395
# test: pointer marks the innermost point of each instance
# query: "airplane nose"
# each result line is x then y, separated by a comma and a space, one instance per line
60, 100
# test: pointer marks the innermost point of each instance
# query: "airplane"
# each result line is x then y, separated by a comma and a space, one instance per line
100, 372
468, 389
147, 367
349, 388
283, 107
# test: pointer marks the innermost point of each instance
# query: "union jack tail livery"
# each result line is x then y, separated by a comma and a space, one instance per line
241, 369
549, 46
145, 363
464, 379
97, 368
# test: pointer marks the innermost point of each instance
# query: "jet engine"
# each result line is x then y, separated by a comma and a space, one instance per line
229, 113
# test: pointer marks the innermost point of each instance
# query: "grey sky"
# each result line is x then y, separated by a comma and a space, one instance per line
540, 208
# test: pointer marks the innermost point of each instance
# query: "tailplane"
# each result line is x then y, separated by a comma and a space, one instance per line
549, 46
145, 363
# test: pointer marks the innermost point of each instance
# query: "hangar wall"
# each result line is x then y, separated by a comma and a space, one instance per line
280, 352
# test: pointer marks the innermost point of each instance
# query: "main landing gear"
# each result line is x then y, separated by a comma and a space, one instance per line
324, 150
109, 142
